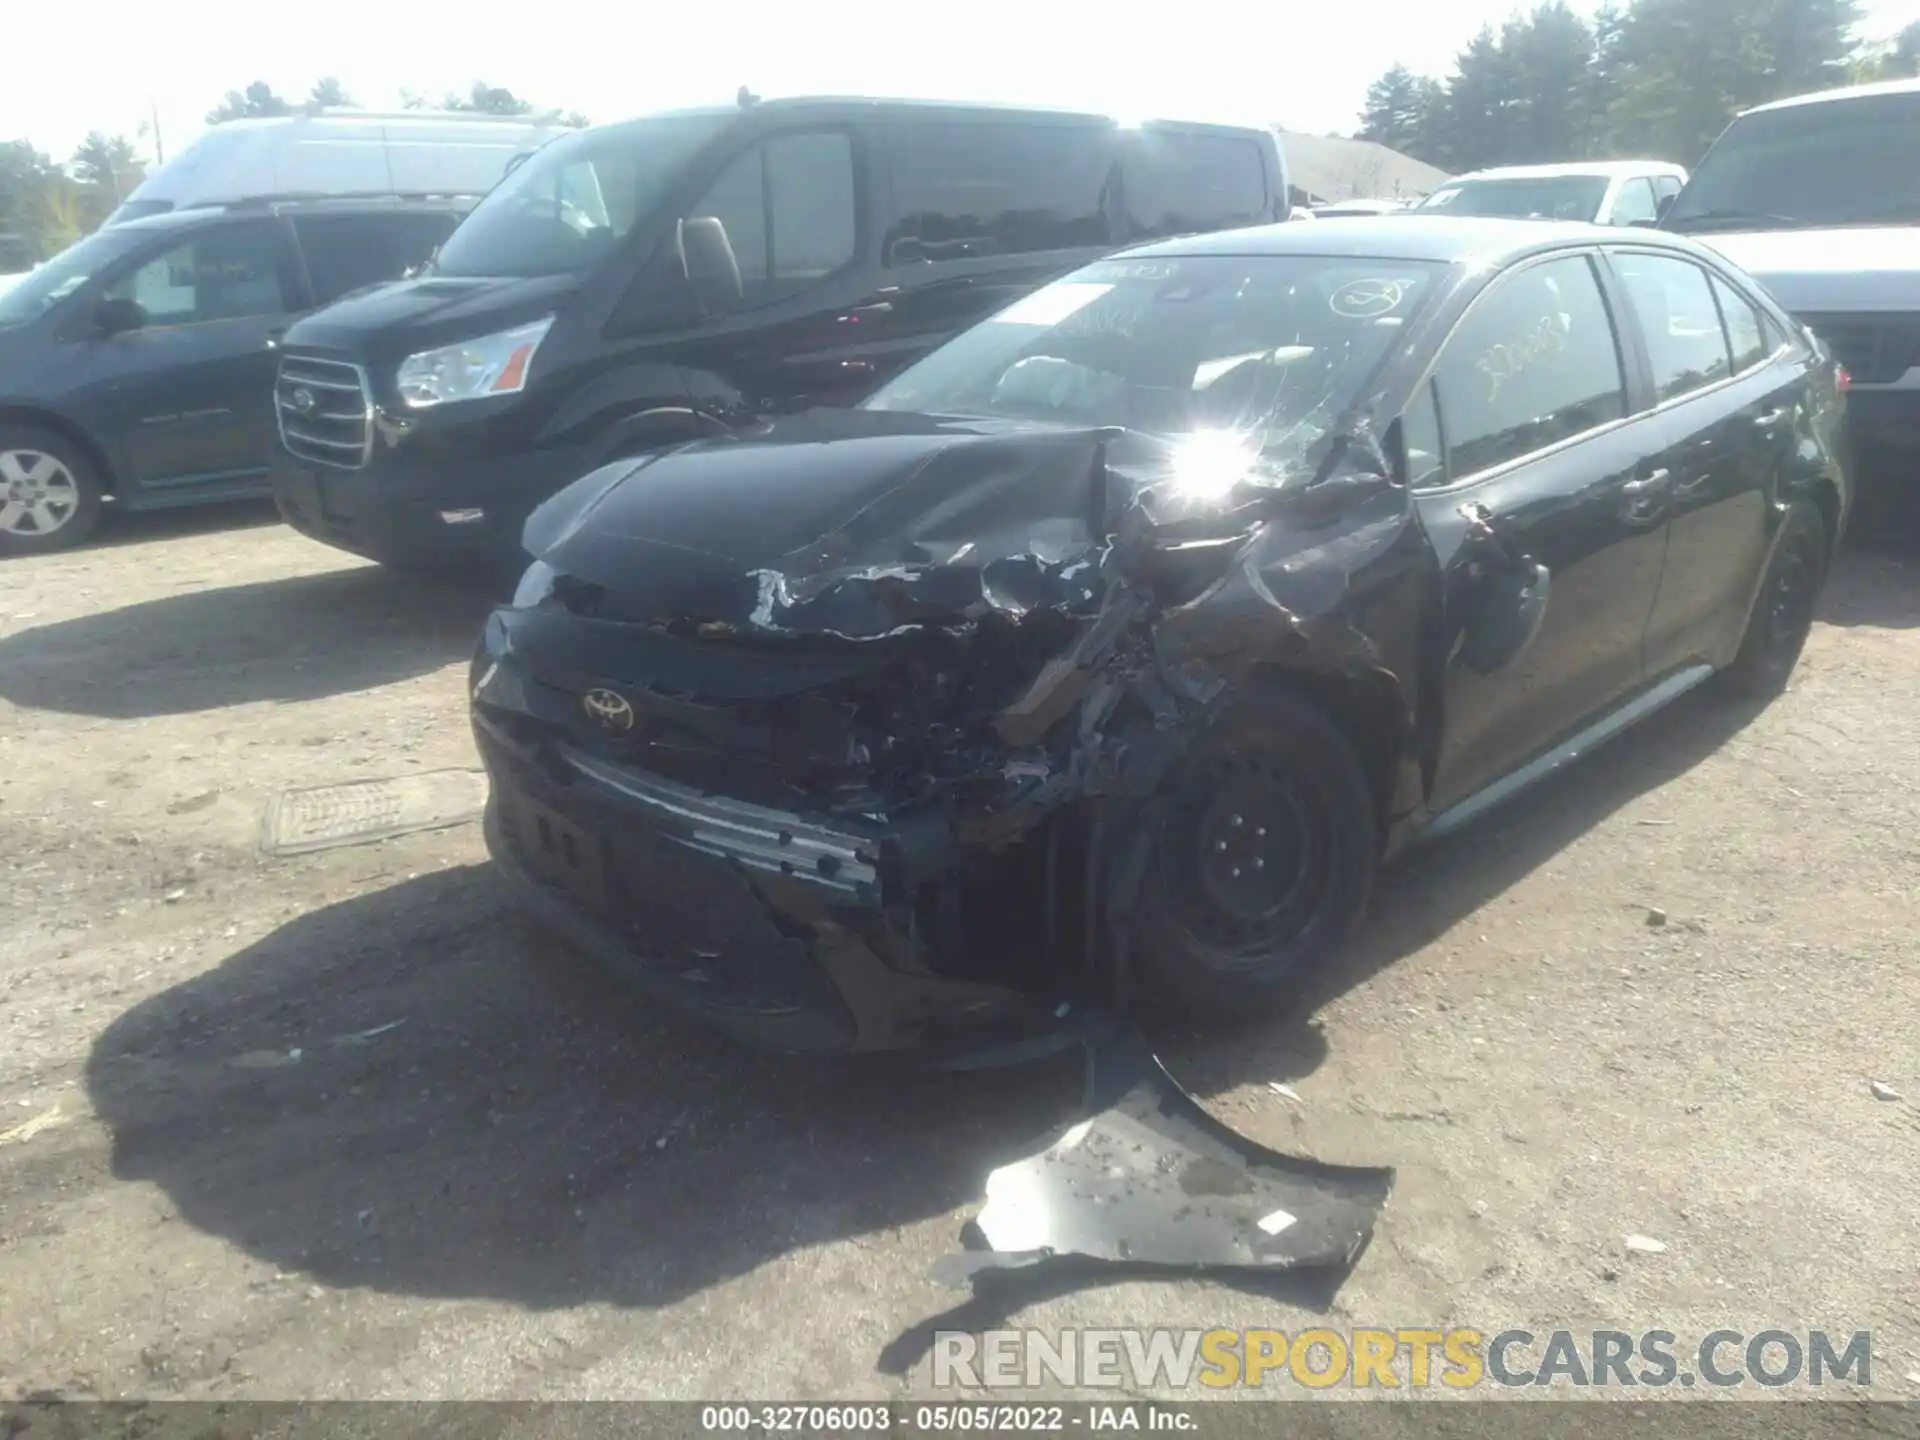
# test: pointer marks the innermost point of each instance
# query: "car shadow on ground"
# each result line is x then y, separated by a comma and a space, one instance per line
408, 1091
300, 638
142, 527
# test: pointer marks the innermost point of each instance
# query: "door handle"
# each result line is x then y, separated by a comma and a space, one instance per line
1646, 496
1774, 418
1651, 483
867, 312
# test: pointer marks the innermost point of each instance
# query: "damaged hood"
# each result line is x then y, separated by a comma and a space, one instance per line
850, 523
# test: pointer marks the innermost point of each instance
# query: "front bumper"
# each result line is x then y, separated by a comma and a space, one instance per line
427, 512
785, 933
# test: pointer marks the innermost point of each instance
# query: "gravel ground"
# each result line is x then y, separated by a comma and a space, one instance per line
215, 1183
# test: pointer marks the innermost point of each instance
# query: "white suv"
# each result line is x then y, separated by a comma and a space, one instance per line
1601, 192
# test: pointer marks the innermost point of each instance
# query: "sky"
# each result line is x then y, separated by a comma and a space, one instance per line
1305, 67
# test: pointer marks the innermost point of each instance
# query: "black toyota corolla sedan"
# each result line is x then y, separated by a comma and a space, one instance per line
1105, 653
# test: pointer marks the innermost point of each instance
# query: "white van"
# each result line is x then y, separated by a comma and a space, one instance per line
1600, 192
339, 152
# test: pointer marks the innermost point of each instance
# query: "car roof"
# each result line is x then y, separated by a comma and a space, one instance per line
1848, 92
1415, 235
190, 215
869, 104
1609, 168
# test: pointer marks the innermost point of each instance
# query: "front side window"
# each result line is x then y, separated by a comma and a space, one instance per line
575, 202
1835, 162
779, 219
1271, 350
1551, 197
350, 252
965, 190
1635, 202
1746, 329
227, 273
1674, 304
1533, 363
1176, 184
31, 297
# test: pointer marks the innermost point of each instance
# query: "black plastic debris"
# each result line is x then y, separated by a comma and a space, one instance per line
1147, 1178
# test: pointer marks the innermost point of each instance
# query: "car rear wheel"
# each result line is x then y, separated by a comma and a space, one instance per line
1263, 859
49, 492
1783, 613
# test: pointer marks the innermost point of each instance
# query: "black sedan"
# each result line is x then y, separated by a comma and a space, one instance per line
1104, 654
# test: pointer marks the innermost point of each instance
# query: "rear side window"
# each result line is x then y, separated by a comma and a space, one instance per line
1674, 303
1745, 328
1533, 363
349, 252
1178, 184
968, 190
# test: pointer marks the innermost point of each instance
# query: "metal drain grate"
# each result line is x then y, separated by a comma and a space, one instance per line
298, 821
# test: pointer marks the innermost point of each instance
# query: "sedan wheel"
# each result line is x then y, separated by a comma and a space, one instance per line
1263, 858
1783, 612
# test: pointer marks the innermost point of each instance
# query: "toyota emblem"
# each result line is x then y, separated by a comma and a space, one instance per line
609, 711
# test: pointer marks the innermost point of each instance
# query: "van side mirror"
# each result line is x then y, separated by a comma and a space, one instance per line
115, 316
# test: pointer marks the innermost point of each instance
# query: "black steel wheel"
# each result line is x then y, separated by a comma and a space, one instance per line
1264, 850
1783, 611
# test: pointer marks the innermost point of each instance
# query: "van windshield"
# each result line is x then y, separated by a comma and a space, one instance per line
572, 203
1523, 197
1833, 162
30, 298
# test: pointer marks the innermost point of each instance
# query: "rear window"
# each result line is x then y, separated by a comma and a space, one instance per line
345, 253
1531, 197
963, 190
1177, 184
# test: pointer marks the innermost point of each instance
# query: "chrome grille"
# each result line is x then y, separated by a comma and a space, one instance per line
1876, 349
324, 410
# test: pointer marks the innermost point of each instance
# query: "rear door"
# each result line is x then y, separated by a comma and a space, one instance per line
1721, 416
345, 252
187, 399
1525, 468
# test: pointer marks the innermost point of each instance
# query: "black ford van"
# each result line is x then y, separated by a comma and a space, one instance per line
640, 284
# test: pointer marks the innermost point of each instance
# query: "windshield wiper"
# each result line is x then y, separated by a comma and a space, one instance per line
1733, 220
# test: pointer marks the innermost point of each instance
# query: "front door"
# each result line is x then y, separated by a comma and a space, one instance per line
187, 398
1532, 485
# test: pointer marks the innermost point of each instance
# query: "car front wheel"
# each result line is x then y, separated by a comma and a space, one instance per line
1263, 859
49, 493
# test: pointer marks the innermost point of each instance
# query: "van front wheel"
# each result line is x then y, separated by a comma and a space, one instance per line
50, 493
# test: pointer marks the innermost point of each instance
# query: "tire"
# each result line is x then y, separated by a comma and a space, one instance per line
1274, 781
50, 492
1783, 610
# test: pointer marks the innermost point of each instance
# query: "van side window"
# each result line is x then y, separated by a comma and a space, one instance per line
779, 219
1535, 361
349, 252
1634, 202
1178, 184
1744, 330
225, 273
969, 190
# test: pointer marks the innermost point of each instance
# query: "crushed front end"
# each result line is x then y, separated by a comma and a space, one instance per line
843, 746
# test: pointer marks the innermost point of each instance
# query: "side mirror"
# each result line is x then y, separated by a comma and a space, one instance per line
116, 317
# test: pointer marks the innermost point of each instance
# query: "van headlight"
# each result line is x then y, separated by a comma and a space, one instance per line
472, 369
